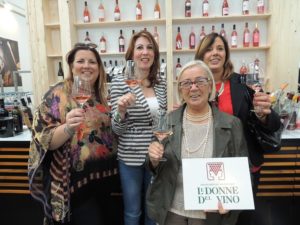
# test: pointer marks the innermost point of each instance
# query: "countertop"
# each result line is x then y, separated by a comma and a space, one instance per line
24, 136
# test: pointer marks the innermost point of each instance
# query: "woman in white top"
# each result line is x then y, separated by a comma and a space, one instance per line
132, 118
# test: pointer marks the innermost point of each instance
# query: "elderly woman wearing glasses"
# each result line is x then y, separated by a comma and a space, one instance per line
71, 156
200, 130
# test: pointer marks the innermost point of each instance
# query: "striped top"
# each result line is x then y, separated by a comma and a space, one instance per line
135, 132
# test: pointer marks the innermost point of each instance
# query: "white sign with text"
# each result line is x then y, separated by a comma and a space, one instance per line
209, 180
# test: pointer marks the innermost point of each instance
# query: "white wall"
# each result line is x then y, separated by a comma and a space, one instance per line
15, 27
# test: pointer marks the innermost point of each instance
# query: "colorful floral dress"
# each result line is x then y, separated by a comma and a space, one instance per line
87, 156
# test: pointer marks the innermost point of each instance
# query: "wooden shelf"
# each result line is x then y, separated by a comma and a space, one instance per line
54, 56
52, 25
187, 20
121, 23
231, 49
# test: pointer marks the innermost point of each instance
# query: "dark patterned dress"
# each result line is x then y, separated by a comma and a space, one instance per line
85, 158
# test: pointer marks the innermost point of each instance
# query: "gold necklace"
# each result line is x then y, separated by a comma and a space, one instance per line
205, 139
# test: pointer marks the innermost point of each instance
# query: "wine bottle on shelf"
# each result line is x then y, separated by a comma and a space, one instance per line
188, 9
163, 67
60, 72
117, 12
246, 36
177, 68
192, 39
101, 12
17, 117
133, 32
205, 8
213, 29
157, 10
260, 7
87, 39
202, 33
116, 68
86, 14
178, 39
102, 44
156, 35
234, 38
245, 8
225, 8
138, 10
121, 42
222, 31
256, 37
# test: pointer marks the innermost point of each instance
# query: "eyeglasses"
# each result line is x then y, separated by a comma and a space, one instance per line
199, 82
89, 45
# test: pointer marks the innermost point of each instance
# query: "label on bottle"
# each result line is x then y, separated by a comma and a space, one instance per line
233, 41
156, 14
256, 39
246, 38
138, 11
117, 16
86, 19
260, 6
178, 45
192, 41
245, 6
102, 46
225, 11
101, 15
122, 41
205, 8
188, 9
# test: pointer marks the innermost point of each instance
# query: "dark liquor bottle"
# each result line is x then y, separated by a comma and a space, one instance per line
121, 42
27, 114
3, 111
17, 117
60, 72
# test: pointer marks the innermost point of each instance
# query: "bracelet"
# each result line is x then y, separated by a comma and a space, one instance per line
68, 130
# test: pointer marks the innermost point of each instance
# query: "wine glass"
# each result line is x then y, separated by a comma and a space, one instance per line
161, 126
131, 78
81, 90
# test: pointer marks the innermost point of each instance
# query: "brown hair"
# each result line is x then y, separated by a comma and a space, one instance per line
152, 77
206, 43
100, 84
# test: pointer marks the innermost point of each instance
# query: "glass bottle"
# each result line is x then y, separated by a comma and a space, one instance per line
213, 29
178, 39
101, 12
156, 35
246, 36
60, 72
187, 8
102, 44
86, 14
205, 8
245, 8
17, 117
87, 39
192, 39
222, 31
177, 68
27, 113
256, 36
121, 42
260, 7
117, 12
225, 8
138, 10
234, 38
157, 10
202, 33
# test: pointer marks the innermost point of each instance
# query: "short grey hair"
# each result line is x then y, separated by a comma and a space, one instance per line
202, 65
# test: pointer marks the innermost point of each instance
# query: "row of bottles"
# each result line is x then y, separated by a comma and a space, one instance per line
248, 38
224, 8
87, 17
103, 41
13, 118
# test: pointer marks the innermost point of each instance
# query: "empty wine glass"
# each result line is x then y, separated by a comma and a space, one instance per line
81, 90
161, 126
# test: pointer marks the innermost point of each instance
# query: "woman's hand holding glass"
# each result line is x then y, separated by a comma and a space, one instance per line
124, 102
156, 152
73, 120
262, 104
